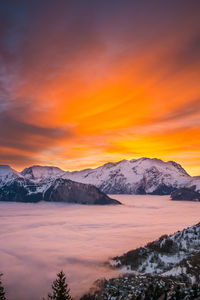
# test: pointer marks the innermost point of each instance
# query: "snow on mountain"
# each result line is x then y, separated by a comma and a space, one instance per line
136, 176
38, 173
147, 287
7, 174
169, 255
194, 182
58, 190
168, 268
46, 183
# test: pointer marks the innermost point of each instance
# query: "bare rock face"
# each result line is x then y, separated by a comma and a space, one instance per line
63, 190
186, 194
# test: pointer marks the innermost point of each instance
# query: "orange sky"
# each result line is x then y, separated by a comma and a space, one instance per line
101, 86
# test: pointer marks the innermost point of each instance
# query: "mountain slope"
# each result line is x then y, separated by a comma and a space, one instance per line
64, 190
168, 268
169, 255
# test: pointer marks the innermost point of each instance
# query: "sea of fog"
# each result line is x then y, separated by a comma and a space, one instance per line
38, 240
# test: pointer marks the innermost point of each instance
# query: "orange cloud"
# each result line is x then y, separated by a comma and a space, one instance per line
79, 91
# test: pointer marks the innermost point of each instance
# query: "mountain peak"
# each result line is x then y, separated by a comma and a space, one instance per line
7, 174
6, 169
38, 172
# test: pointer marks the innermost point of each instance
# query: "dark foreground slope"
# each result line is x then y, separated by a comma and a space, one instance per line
169, 255
166, 269
140, 287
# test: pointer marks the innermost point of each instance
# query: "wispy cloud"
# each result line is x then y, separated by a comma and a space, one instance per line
83, 75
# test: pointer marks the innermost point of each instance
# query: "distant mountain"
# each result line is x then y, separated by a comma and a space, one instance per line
174, 255
38, 173
136, 176
41, 183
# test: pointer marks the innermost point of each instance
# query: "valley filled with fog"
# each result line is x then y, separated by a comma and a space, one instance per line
38, 240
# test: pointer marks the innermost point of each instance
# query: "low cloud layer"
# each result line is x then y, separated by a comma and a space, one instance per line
38, 240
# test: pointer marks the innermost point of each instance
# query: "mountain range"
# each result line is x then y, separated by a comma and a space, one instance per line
136, 176
16, 187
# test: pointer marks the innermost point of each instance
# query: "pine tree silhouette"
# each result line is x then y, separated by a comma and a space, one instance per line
60, 290
2, 292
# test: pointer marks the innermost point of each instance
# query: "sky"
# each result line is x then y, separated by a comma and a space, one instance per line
86, 82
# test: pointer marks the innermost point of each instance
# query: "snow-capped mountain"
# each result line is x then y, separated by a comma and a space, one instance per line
176, 255
7, 174
136, 176
45, 183
39, 173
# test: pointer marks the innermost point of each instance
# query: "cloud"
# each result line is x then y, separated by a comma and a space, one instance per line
21, 140
22, 135
15, 159
189, 53
184, 112
71, 72
38, 240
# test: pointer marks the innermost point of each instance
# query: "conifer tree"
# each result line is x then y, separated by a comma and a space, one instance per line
2, 292
60, 290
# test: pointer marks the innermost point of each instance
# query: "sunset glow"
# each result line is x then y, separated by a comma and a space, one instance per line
103, 82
